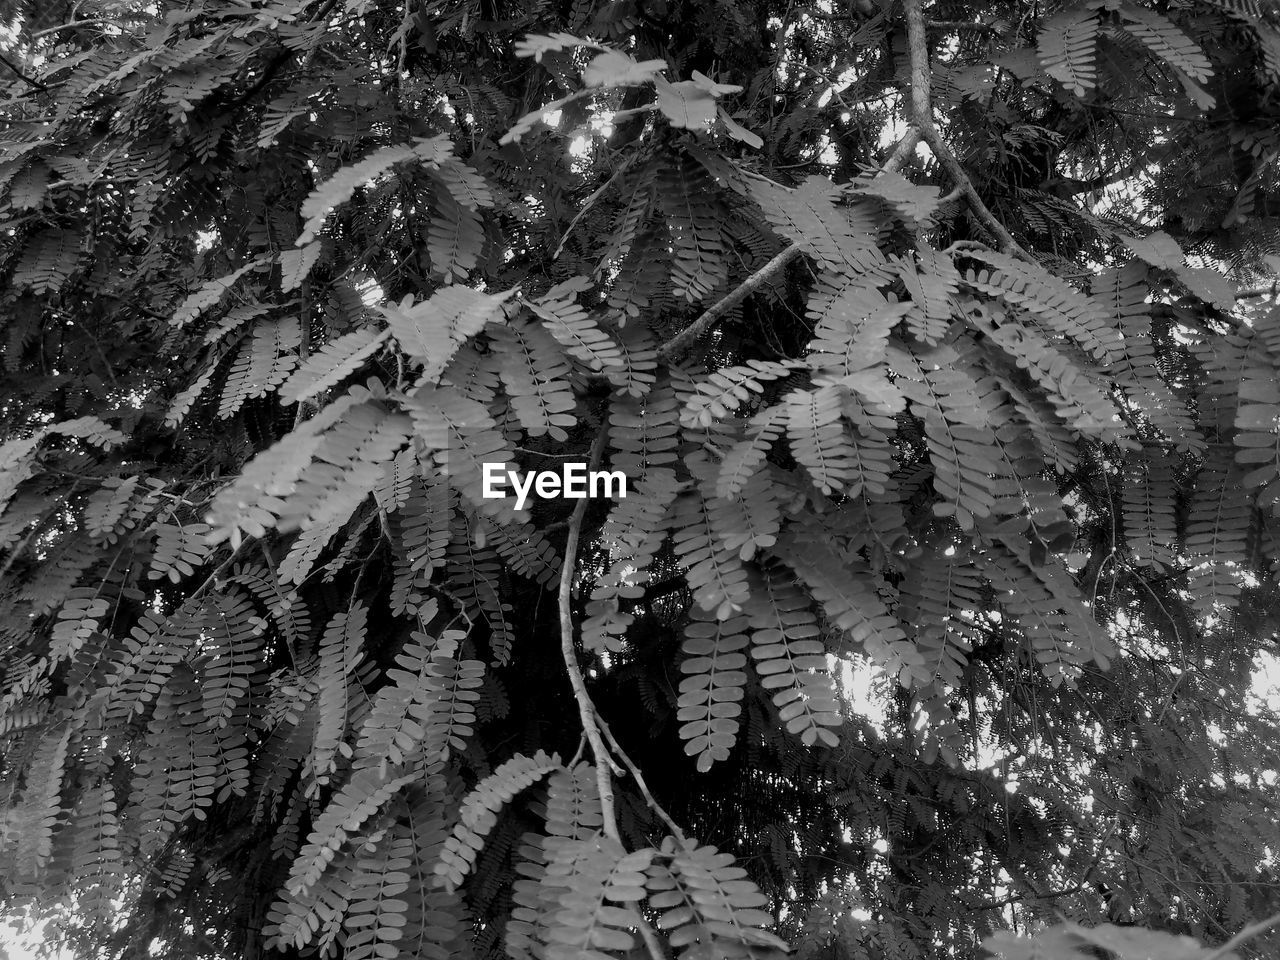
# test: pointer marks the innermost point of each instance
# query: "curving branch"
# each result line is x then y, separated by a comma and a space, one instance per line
586, 709
654, 805
72, 25
681, 343
678, 345
591, 721
1270, 290
13, 68
922, 128
1248, 933
922, 119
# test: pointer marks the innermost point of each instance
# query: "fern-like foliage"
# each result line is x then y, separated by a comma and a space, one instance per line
725, 390
340, 653
461, 437
533, 372
946, 552
337, 360
849, 600
339, 187
746, 455
1052, 301
576, 331
479, 813
701, 263
941, 602
711, 689
808, 217
1216, 527
932, 282
715, 571
48, 261
946, 400
1166, 41
1150, 514
432, 330
265, 360
706, 898
1067, 47
791, 660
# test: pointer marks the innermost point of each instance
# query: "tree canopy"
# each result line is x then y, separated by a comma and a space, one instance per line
937, 342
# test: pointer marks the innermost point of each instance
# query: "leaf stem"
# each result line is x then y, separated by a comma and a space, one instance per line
71, 25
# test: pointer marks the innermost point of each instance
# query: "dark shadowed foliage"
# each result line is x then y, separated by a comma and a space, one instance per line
938, 345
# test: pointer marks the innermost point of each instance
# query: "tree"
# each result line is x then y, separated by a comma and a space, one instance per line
939, 338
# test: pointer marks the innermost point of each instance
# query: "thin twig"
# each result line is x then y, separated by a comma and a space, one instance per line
1248, 933
577, 754
22, 76
17, 550
674, 348
922, 118
68, 26
586, 709
1019, 897
274, 65
681, 342
588, 203
640, 782
1272, 290
960, 25
220, 569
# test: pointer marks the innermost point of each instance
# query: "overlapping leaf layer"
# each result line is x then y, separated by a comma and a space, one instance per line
281, 278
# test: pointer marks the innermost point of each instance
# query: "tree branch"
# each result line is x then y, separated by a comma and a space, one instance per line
674, 348
1248, 933
273, 66
1019, 897
686, 338
22, 76
679, 344
70, 25
1104, 180
922, 118
960, 25
903, 151
640, 782
586, 709
1272, 290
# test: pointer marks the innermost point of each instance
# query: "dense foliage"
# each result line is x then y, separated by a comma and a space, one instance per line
934, 338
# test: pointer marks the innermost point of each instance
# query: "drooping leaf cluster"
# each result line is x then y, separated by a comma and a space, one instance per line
995, 424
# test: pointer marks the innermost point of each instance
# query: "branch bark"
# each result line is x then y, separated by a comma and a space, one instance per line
36, 84
902, 152
922, 119
644, 787
586, 709
678, 345
591, 722
1271, 290
74, 24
